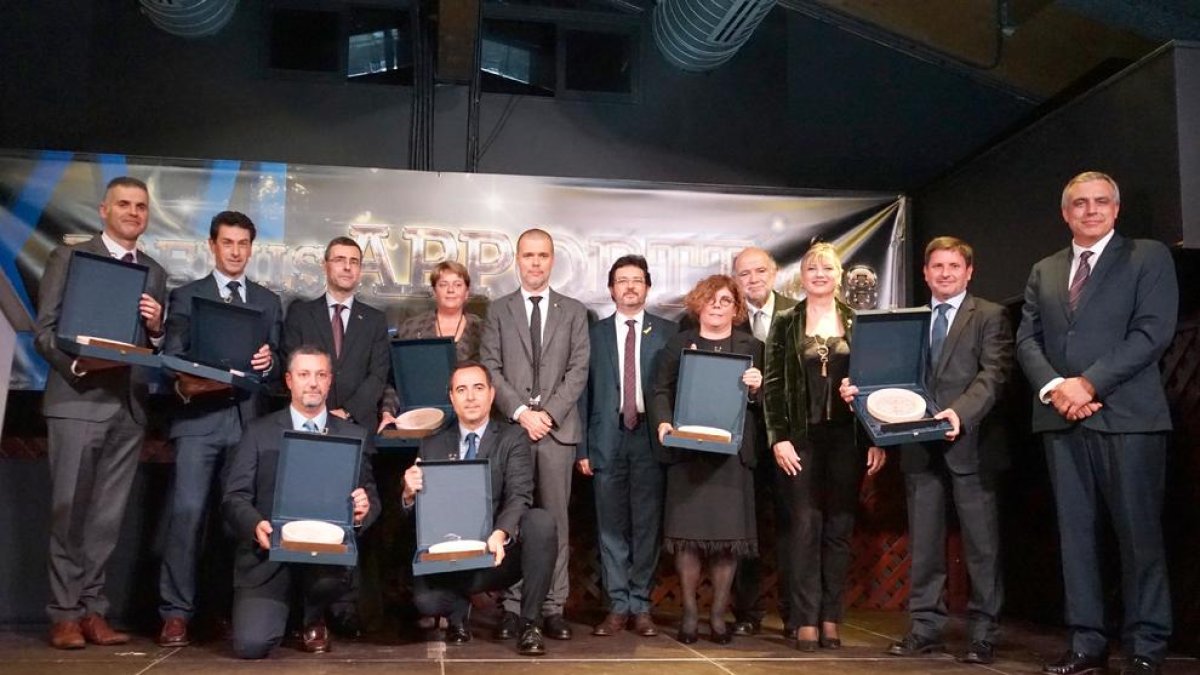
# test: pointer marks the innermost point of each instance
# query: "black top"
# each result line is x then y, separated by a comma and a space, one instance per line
824, 403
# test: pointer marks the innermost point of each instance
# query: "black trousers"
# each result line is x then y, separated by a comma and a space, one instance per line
260, 613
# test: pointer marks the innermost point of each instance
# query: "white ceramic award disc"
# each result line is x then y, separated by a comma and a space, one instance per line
706, 431
419, 419
313, 532
895, 405
459, 546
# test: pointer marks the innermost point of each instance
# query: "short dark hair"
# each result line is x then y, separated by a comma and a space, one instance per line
231, 219
947, 243
307, 350
536, 232
463, 365
341, 241
126, 181
628, 261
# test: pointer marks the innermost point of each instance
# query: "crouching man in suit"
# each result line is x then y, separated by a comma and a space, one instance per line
524, 539
262, 587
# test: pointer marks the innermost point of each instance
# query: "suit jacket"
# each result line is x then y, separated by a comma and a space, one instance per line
782, 303
602, 401
974, 367
510, 459
361, 371
97, 396
195, 418
250, 489
1123, 324
506, 350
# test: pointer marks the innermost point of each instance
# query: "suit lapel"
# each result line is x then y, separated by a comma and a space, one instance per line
964, 315
651, 343
516, 307
489, 442
608, 344
551, 320
1115, 248
1060, 277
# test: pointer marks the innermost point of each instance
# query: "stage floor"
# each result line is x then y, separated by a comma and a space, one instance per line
865, 635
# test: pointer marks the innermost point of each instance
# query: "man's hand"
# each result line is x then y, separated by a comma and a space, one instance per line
495, 544
1071, 393
340, 412
537, 423
262, 534
414, 480
876, 458
362, 505
955, 424
786, 458
1084, 411
584, 466
664, 429
151, 313
261, 361
753, 379
847, 391
385, 421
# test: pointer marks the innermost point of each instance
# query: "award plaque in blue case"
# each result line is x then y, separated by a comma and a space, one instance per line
223, 340
890, 348
100, 308
455, 502
710, 393
313, 480
421, 372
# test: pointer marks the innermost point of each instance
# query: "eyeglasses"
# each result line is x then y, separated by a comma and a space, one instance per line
721, 301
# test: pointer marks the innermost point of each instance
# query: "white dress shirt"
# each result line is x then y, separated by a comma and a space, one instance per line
223, 284
348, 303
622, 330
298, 419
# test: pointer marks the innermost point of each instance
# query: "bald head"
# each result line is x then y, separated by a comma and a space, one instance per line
754, 269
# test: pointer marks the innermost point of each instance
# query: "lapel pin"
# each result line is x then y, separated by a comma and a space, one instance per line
647, 329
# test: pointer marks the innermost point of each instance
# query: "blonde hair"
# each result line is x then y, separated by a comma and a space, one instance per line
825, 250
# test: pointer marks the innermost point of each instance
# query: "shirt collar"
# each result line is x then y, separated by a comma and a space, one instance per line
767, 308
347, 303
223, 281
298, 418
1096, 248
114, 249
954, 302
526, 295
463, 431
640, 317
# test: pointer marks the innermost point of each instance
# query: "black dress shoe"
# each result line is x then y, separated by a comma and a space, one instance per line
1075, 663
1140, 665
721, 637
806, 645
457, 634
507, 628
746, 628
686, 637
980, 651
531, 642
830, 642
915, 645
556, 627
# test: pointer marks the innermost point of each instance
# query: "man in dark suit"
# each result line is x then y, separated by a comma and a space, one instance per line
353, 332
523, 541
620, 450
970, 360
96, 419
210, 418
1098, 316
262, 588
535, 344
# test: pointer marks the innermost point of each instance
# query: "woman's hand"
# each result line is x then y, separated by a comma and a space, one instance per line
876, 458
753, 379
786, 458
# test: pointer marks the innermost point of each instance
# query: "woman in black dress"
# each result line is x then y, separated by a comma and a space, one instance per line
812, 436
709, 503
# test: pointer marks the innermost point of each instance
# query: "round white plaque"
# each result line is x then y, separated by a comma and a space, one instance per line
313, 532
896, 405
419, 419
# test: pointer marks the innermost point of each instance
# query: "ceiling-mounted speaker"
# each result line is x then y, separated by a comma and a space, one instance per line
458, 33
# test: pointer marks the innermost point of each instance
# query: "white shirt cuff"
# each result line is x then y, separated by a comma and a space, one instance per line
1044, 394
520, 409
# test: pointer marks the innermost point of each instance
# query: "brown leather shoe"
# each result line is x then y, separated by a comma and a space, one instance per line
611, 625
644, 625
97, 631
316, 638
66, 635
174, 633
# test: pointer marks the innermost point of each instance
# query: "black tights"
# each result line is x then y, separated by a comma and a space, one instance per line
721, 567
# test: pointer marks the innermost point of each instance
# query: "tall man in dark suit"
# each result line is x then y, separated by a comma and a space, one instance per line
95, 418
535, 344
523, 540
970, 360
619, 452
262, 588
350, 330
1098, 316
210, 419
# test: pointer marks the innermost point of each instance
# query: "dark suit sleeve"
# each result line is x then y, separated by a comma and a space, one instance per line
366, 481
518, 482
775, 388
574, 379
274, 337
179, 321
293, 332
1030, 340
365, 400
240, 487
54, 281
995, 366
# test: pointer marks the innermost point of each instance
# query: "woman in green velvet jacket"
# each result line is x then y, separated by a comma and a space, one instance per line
811, 433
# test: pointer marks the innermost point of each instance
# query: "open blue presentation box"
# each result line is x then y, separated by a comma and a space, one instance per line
100, 305
223, 339
890, 348
421, 372
710, 392
314, 477
455, 502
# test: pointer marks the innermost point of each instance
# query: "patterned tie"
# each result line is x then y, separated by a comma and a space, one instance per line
309, 425
472, 445
759, 325
1081, 276
234, 296
938, 338
338, 329
128, 257
629, 411
535, 342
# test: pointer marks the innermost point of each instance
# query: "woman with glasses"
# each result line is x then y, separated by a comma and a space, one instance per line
709, 503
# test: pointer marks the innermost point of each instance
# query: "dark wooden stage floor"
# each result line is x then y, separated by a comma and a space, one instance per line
866, 634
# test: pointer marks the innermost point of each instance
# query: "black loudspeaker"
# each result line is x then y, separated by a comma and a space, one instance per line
458, 28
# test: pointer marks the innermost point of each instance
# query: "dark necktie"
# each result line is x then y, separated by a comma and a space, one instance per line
308, 425
234, 297
1081, 276
938, 337
629, 377
128, 257
472, 445
535, 342
339, 331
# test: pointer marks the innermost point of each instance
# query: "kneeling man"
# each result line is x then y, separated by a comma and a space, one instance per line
262, 587
523, 540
